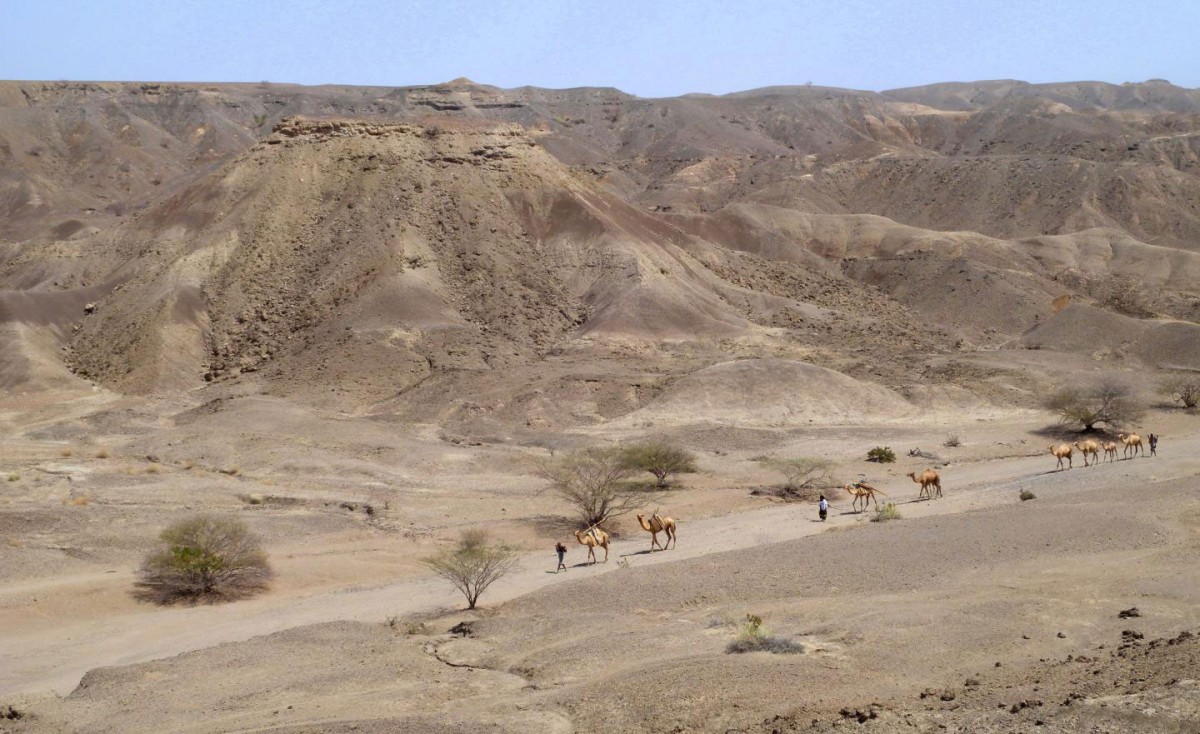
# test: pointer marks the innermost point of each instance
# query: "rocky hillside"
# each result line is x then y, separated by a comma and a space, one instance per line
348, 244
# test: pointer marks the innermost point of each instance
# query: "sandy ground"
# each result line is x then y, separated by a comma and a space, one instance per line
1118, 534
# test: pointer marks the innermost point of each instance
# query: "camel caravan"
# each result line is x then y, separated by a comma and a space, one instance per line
1090, 449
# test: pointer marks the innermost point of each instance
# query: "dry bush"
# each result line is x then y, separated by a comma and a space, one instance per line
952, 441
473, 565
804, 478
152, 469
660, 459
204, 558
594, 482
82, 500
66, 453
1027, 495
753, 637
102, 454
1108, 400
886, 513
1124, 295
1182, 389
14, 477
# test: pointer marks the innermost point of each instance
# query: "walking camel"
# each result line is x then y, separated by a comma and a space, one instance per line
864, 492
1110, 450
1089, 448
1060, 452
929, 481
1133, 443
658, 524
593, 537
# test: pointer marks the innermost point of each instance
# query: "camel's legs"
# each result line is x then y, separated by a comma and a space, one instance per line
671, 538
606, 552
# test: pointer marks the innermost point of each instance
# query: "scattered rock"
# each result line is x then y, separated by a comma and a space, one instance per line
463, 629
1130, 612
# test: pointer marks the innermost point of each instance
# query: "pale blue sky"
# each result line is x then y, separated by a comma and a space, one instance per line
640, 46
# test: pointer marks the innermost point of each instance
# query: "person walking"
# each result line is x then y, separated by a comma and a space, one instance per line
1153, 445
823, 508
561, 550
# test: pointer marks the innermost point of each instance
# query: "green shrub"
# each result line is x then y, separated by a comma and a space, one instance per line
885, 513
473, 565
1027, 495
660, 459
205, 558
881, 455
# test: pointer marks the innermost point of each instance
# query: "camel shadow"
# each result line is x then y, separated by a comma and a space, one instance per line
637, 553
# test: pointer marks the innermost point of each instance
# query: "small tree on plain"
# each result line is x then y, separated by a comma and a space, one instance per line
803, 472
1108, 400
660, 459
594, 482
473, 565
1184, 389
205, 558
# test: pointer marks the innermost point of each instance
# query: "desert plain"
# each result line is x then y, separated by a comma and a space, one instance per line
356, 318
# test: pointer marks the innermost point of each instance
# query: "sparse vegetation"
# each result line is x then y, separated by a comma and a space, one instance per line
1027, 495
1182, 389
660, 459
473, 564
881, 455
102, 454
82, 500
952, 441
804, 477
594, 482
1108, 400
14, 477
753, 637
886, 513
66, 453
1123, 294
205, 558
152, 469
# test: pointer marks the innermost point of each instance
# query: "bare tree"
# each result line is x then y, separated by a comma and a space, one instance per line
1183, 389
803, 472
204, 557
594, 482
1108, 400
660, 459
473, 565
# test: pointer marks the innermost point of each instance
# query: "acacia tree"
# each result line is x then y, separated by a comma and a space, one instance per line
660, 459
594, 482
803, 472
204, 557
1183, 389
1108, 400
473, 565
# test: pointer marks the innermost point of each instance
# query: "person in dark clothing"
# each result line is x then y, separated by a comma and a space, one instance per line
1153, 445
561, 550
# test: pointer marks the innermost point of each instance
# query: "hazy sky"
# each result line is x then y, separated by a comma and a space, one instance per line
641, 46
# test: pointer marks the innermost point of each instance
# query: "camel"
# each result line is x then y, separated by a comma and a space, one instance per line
929, 481
1133, 443
1089, 448
1062, 452
658, 524
1110, 449
865, 492
593, 537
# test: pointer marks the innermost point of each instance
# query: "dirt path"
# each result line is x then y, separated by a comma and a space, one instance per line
56, 660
